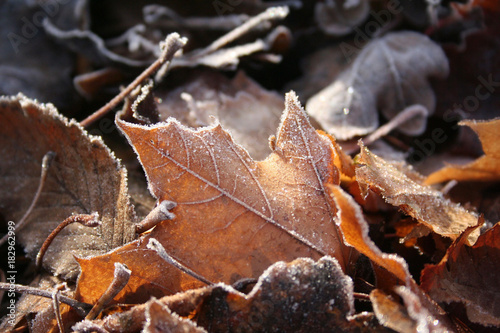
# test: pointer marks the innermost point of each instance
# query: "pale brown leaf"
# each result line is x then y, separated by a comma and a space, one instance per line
159, 319
339, 17
400, 188
392, 274
388, 75
249, 112
84, 177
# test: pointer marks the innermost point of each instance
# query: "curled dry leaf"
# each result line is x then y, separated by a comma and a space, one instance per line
234, 216
392, 274
388, 75
249, 112
485, 168
84, 177
340, 17
354, 229
391, 313
399, 188
469, 274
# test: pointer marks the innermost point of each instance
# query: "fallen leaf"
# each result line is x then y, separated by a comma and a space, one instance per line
183, 304
84, 177
399, 188
249, 112
486, 168
391, 313
30, 61
340, 17
354, 230
39, 309
299, 296
160, 319
469, 274
234, 216
349, 106
393, 276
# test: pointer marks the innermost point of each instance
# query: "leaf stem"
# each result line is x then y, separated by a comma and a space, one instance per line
156, 246
46, 162
85, 219
120, 280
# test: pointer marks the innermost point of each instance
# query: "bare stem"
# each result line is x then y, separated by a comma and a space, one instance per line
156, 246
407, 114
46, 161
158, 214
120, 280
270, 14
361, 296
80, 307
172, 44
85, 219
57, 311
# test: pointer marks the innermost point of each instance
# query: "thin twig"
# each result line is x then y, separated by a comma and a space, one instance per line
80, 307
361, 296
172, 44
57, 311
156, 246
46, 162
270, 14
120, 280
84, 219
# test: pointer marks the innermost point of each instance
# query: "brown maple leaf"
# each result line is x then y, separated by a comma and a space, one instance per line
485, 168
234, 216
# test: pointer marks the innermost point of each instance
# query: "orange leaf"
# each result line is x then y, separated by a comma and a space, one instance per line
485, 168
355, 231
234, 216
391, 270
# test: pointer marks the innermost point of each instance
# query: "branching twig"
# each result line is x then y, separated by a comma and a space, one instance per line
81, 308
172, 44
85, 219
46, 161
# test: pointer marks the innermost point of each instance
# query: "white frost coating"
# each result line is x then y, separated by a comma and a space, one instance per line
240, 153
